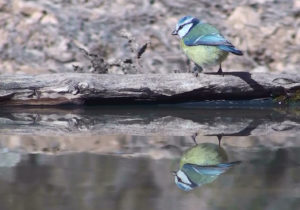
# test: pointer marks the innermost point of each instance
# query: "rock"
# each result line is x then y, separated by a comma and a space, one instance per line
49, 19
3, 38
260, 69
3, 5
261, 1
240, 17
267, 30
249, 32
296, 4
26, 8
297, 37
35, 17
60, 52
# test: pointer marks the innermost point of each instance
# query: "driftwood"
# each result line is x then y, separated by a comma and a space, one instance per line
148, 121
78, 88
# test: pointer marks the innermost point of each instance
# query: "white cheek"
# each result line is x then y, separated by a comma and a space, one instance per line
183, 177
182, 32
176, 179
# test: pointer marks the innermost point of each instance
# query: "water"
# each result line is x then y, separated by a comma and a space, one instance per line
128, 158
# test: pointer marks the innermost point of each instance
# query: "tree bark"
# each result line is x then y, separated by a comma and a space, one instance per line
78, 88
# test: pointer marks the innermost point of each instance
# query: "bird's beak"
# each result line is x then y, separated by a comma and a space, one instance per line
174, 173
174, 32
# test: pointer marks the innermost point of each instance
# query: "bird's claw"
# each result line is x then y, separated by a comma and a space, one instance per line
194, 138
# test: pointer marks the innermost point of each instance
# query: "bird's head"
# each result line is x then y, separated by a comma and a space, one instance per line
183, 181
184, 25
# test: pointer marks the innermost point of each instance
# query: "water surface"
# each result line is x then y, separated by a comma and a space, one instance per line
79, 159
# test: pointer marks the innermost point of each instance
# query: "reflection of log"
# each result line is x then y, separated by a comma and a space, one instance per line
148, 120
75, 88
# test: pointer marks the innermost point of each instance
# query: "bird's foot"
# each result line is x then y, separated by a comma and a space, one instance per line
220, 72
196, 70
194, 138
219, 139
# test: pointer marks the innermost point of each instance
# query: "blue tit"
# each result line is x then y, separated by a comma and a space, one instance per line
200, 165
203, 43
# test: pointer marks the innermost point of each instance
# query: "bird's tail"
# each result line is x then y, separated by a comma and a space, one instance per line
228, 165
231, 49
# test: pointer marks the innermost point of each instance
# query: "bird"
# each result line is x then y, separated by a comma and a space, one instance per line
203, 43
201, 164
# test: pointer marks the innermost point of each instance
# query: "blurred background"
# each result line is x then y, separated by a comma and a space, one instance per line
41, 36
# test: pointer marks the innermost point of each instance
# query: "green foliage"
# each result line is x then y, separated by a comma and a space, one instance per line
288, 99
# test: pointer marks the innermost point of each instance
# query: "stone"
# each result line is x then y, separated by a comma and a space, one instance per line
49, 19
240, 17
3, 5
260, 69
35, 17
26, 8
60, 51
296, 4
261, 1
3, 38
297, 38
267, 30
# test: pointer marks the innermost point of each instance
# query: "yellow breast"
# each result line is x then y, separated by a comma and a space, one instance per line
204, 55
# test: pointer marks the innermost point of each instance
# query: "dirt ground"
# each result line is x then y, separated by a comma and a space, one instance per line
46, 36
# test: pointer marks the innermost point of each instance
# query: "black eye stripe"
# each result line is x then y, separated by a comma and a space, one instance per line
180, 27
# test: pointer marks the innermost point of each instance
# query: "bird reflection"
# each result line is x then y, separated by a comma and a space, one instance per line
200, 165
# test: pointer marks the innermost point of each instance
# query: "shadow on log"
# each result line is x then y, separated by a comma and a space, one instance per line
149, 121
78, 88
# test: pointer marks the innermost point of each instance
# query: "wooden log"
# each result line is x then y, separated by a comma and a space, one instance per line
78, 88
149, 121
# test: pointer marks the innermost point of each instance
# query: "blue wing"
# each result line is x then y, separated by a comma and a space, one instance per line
210, 170
212, 40
231, 49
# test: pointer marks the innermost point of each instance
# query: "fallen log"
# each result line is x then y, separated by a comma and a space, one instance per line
79, 88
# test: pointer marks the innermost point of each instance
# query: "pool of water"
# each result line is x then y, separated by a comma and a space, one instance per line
149, 158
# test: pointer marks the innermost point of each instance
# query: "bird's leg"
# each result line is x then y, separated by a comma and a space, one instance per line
188, 63
194, 138
220, 70
197, 69
219, 139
